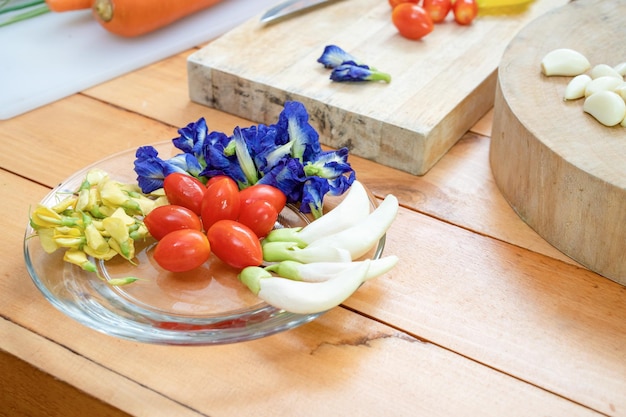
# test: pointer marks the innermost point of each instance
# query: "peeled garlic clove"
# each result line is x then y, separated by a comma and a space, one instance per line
621, 90
576, 87
606, 107
620, 69
606, 83
604, 70
565, 62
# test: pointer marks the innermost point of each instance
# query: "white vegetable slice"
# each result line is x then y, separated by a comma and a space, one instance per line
604, 70
606, 107
576, 87
606, 83
565, 62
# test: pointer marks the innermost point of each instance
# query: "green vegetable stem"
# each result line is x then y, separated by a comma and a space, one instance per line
357, 240
324, 271
31, 9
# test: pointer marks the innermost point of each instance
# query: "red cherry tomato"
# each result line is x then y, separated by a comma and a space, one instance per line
182, 250
215, 179
259, 215
264, 192
165, 219
465, 11
438, 9
221, 201
394, 3
412, 21
235, 244
184, 190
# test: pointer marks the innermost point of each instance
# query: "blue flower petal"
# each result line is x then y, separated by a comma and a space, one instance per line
288, 176
185, 163
294, 120
313, 192
329, 164
192, 136
149, 169
349, 72
333, 56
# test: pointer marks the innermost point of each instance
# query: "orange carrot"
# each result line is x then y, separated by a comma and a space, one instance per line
68, 5
137, 17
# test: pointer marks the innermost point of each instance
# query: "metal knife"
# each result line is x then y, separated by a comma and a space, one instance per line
291, 7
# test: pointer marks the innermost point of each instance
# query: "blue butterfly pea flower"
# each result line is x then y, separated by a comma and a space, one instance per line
288, 176
352, 72
346, 67
287, 155
293, 122
313, 192
192, 137
333, 56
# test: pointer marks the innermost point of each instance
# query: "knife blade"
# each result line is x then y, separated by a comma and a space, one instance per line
291, 7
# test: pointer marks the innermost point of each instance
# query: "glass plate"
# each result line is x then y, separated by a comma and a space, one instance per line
205, 306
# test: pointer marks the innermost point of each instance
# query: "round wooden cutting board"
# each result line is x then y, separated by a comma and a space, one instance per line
562, 171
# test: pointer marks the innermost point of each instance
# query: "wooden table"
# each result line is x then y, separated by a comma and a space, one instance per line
480, 317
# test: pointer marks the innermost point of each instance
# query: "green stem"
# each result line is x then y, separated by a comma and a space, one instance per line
18, 6
26, 15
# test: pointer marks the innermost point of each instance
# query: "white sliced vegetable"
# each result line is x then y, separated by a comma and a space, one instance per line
606, 106
576, 87
352, 209
605, 83
566, 62
323, 271
304, 297
290, 251
604, 70
361, 237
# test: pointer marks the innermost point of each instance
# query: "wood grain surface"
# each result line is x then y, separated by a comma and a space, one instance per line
480, 317
441, 85
562, 171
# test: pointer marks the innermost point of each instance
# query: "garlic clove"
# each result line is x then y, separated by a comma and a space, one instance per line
606, 107
621, 90
604, 70
621, 69
575, 89
605, 83
565, 62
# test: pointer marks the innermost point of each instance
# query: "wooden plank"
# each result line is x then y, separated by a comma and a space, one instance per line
328, 366
539, 319
459, 189
50, 143
546, 313
42, 378
440, 85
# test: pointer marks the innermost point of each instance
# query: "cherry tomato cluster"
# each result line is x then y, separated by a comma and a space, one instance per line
217, 218
415, 19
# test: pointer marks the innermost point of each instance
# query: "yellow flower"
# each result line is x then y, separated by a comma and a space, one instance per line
112, 194
95, 240
120, 239
46, 237
66, 203
78, 257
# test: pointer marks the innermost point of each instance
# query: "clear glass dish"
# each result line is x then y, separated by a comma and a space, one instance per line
202, 307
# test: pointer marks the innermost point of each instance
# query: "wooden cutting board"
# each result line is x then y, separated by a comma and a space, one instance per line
561, 170
440, 85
